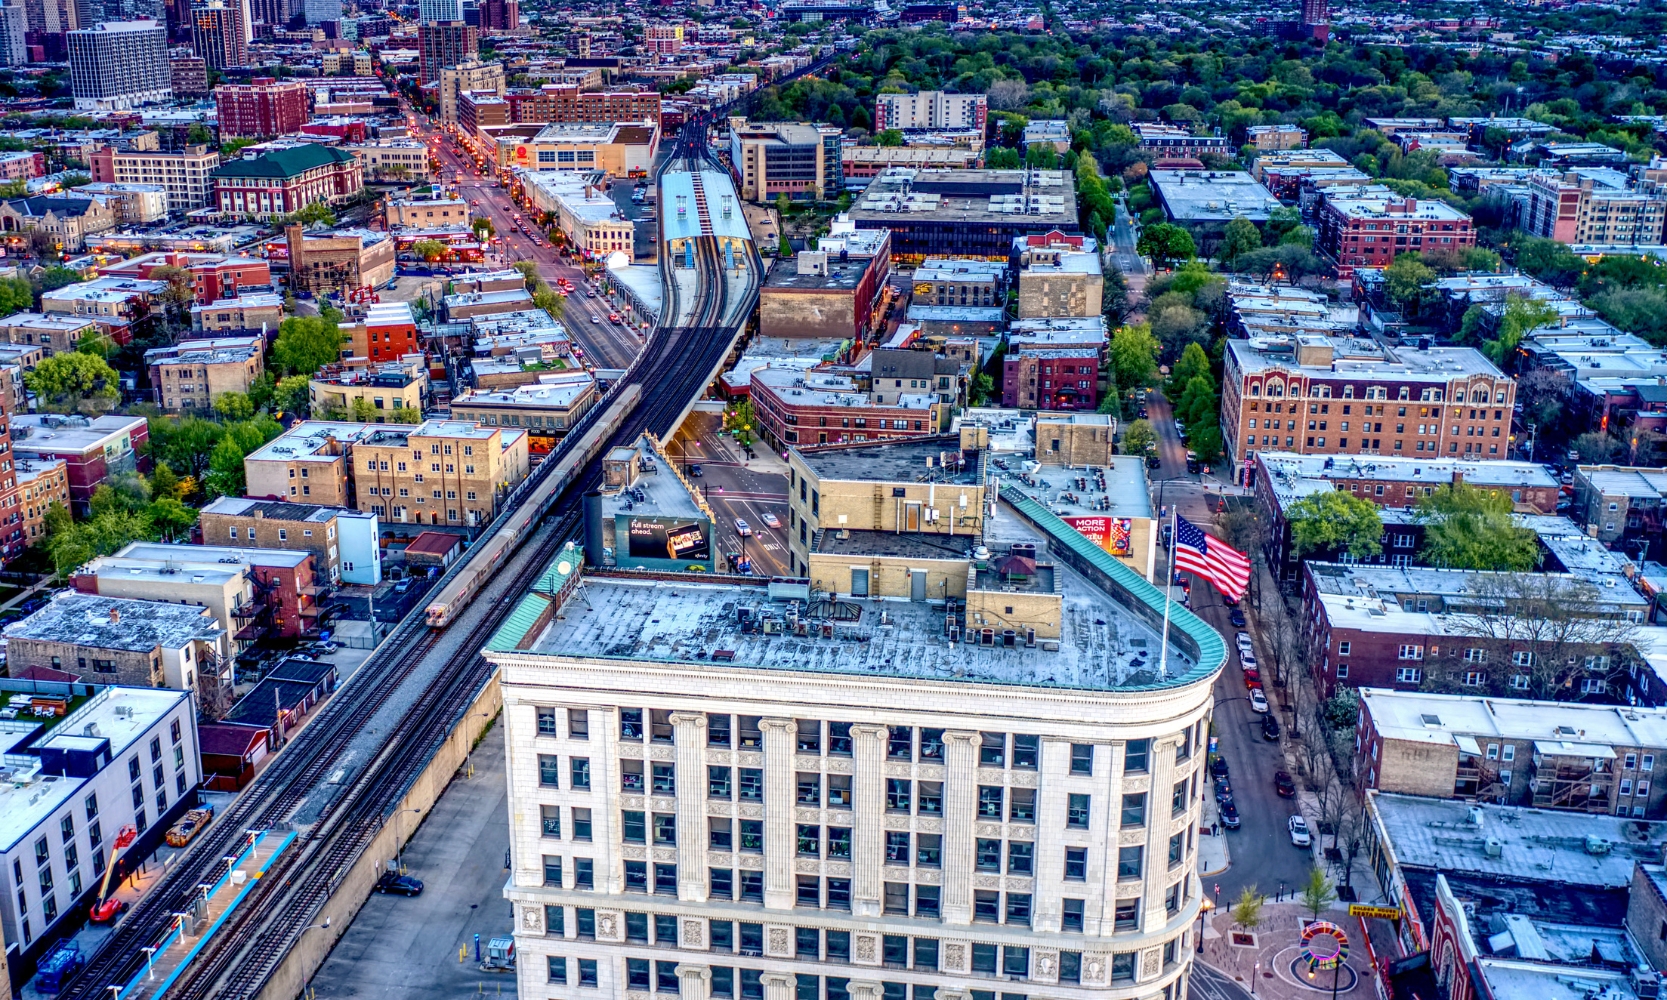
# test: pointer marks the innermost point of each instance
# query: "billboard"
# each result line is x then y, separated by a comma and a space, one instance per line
1114, 534
668, 538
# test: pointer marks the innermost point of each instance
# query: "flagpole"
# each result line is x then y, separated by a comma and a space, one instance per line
1168, 590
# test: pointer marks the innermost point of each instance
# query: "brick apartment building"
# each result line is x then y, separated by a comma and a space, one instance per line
1369, 227
449, 472
344, 542
192, 374
284, 181
262, 107
1339, 395
1051, 378
809, 409
213, 276
93, 449
388, 332
564, 103
1572, 208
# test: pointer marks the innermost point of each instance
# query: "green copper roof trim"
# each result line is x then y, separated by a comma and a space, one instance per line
1212, 648
536, 603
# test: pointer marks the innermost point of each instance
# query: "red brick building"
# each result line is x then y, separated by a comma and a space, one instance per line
285, 181
1365, 228
388, 333
808, 410
1051, 378
14, 536
444, 44
213, 276
561, 103
261, 107
93, 449
500, 15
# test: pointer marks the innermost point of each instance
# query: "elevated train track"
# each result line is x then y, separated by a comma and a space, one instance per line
244, 954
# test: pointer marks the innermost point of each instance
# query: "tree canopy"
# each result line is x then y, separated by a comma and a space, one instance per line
1335, 522
74, 383
307, 343
1470, 528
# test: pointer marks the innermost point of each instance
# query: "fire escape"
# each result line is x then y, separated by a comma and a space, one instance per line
1570, 780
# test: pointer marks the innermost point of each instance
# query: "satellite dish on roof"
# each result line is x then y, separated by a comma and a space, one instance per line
564, 567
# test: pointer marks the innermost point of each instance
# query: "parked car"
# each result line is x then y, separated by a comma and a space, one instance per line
1229, 815
399, 885
1224, 790
1270, 728
771, 520
1243, 641
1283, 784
1258, 701
1252, 675
1299, 832
1218, 767
1236, 616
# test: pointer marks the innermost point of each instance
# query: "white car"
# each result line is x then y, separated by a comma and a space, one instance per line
771, 520
1243, 639
1247, 657
742, 528
1258, 700
1299, 832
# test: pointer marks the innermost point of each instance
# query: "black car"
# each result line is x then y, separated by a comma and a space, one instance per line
1236, 616
1283, 784
1230, 815
1270, 727
399, 885
1224, 791
1218, 767
32, 605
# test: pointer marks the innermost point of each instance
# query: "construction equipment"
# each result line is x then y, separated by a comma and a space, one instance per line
106, 908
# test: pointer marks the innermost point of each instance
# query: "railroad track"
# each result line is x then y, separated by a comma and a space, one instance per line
249, 947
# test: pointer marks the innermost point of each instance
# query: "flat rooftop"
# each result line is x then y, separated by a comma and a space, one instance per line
896, 462
277, 510
1391, 468
1418, 717
839, 275
313, 440
1548, 844
1626, 481
1032, 199
215, 554
52, 434
895, 544
1118, 489
1462, 588
138, 626
538, 396
658, 492
687, 623
119, 714
1213, 195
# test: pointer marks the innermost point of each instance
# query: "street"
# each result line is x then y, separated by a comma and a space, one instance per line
1261, 848
735, 490
606, 345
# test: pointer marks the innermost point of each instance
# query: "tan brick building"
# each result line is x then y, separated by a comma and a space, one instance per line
41, 482
307, 463
442, 472
427, 213
1059, 281
55, 334
192, 374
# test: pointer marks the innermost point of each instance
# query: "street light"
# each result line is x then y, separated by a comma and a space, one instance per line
1204, 909
399, 838
306, 979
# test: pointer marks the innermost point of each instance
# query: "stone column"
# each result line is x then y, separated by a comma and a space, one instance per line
689, 734
694, 982
1159, 825
778, 985
959, 814
778, 813
865, 989
868, 790
609, 871
1050, 827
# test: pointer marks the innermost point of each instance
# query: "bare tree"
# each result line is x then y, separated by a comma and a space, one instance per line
1533, 635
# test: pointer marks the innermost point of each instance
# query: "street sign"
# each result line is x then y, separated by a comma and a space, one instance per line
1364, 910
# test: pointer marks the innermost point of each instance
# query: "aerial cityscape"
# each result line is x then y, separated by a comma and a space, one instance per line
767, 500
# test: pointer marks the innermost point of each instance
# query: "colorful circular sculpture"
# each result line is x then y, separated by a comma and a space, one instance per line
1324, 945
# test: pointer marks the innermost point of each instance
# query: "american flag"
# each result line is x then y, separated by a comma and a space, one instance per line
1211, 558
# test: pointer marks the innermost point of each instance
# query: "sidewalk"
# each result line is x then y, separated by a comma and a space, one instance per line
1213, 856
1267, 960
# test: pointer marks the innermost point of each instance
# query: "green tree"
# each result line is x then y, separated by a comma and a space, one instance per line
15, 296
1138, 437
1317, 893
1198, 405
314, 213
1002, 158
234, 406
57, 276
1193, 363
1548, 260
171, 519
784, 205
405, 415
1241, 236
888, 137
783, 247
1470, 528
1166, 243
1405, 279
1522, 316
1134, 357
429, 250
74, 383
1247, 911
291, 395
199, 135
307, 343
1335, 522
1597, 448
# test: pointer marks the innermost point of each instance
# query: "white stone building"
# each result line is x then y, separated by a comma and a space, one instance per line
721, 794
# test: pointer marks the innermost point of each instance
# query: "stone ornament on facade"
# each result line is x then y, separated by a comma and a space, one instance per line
867, 949
1094, 968
532, 920
693, 933
1151, 963
779, 943
608, 925
1047, 966
954, 957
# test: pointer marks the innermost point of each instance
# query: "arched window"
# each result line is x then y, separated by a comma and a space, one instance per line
1348, 392
1404, 393
1255, 388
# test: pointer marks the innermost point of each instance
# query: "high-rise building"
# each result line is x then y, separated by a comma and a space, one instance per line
188, 74
13, 23
184, 173
469, 77
220, 33
261, 107
273, 12
322, 11
931, 109
118, 65
798, 159
440, 11
500, 15
1316, 19
51, 17
446, 44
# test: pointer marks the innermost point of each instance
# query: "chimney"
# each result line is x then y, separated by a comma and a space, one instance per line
115, 616
259, 514
1458, 478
